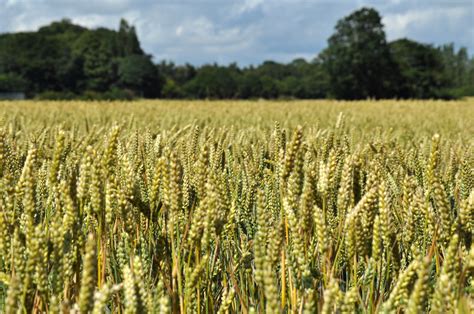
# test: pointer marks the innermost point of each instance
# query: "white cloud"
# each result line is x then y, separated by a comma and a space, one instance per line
400, 24
97, 20
10, 3
249, 5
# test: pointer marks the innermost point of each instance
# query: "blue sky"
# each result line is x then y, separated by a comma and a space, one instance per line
246, 31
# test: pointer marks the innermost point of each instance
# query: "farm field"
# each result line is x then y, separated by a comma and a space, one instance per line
237, 206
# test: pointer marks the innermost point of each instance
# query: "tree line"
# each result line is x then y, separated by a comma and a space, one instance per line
68, 61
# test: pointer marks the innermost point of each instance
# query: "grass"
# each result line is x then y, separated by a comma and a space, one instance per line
225, 206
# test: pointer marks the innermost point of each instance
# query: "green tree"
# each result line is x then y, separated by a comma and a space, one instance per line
292, 86
456, 64
70, 59
458, 69
269, 88
213, 81
249, 85
274, 70
97, 51
127, 38
421, 69
171, 90
12, 83
139, 74
358, 59
469, 90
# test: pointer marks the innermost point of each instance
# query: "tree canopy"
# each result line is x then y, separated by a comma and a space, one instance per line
358, 59
64, 60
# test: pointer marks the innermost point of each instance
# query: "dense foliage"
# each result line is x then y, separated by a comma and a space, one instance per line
148, 207
358, 59
63, 60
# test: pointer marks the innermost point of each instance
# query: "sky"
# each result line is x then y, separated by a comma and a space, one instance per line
245, 31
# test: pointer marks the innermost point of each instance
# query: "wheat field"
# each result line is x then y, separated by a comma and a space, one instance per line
237, 207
